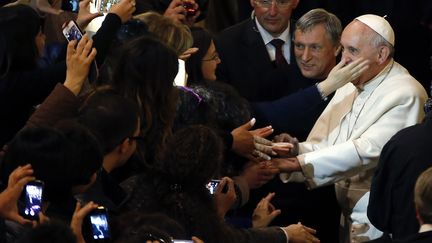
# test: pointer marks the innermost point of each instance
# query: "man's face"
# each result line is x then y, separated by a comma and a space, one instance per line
314, 52
274, 17
356, 43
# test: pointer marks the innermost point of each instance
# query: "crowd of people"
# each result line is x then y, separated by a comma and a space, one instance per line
310, 123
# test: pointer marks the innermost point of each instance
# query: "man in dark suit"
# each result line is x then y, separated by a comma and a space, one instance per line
249, 58
247, 65
405, 156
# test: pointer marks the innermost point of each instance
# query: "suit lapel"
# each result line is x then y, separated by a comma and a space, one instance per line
254, 47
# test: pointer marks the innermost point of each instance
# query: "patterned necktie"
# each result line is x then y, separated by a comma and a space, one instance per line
280, 59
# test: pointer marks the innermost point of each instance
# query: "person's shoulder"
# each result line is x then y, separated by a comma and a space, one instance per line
235, 30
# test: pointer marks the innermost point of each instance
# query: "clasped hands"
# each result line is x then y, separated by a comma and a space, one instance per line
284, 147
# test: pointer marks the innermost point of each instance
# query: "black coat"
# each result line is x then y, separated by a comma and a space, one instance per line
405, 156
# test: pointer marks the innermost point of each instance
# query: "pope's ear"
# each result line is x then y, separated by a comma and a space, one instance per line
383, 54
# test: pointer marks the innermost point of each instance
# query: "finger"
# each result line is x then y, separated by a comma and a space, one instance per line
262, 141
270, 196
92, 55
71, 48
261, 155
248, 125
21, 220
81, 44
23, 181
87, 48
263, 131
264, 148
221, 185
310, 230
275, 213
84, 3
42, 218
20, 173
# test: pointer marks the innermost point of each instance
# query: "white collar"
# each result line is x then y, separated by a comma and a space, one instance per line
267, 37
425, 228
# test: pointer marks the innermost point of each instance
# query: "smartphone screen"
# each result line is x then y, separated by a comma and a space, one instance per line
212, 185
105, 5
70, 5
99, 224
33, 199
72, 32
182, 241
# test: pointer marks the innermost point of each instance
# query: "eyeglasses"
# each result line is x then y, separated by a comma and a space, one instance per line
215, 57
269, 3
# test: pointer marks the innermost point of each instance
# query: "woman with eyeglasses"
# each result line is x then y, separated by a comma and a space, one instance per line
202, 65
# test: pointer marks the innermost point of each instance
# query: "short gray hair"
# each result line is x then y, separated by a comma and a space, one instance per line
318, 16
377, 40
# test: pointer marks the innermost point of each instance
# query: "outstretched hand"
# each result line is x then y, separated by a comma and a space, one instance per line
264, 212
251, 144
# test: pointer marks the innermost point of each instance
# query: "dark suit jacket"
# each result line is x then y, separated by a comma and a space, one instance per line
246, 65
405, 156
425, 237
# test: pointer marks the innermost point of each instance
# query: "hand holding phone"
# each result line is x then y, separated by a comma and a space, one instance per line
72, 32
33, 199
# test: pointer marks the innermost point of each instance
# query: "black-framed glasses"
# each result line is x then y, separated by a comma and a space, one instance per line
269, 3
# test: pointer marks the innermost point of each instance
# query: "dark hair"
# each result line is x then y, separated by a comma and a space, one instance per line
110, 117
137, 227
201, 39
62, 158
193, 156
230, 110
19, 25
144, 72
86, 153
51, 232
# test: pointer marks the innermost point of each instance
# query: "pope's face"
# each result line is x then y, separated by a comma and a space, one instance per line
356, 42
